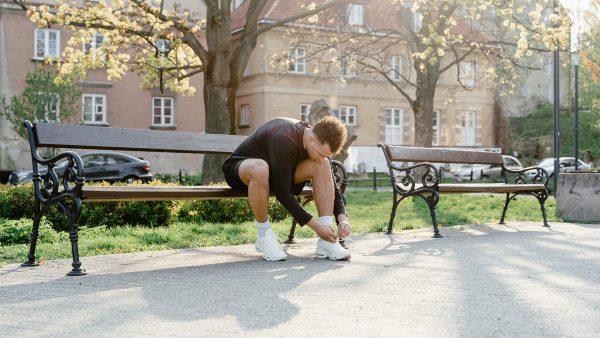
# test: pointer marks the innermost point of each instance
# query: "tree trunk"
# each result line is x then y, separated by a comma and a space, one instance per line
422, 106
219, 120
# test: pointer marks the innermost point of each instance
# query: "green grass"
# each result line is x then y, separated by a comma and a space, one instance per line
368, 211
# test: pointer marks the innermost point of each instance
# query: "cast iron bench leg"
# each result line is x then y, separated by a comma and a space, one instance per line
74, 214
37, 217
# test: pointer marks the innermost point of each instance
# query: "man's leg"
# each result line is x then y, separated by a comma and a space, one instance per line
323, 193
320, 174
255, 174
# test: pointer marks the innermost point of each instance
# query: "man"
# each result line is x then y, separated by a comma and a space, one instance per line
282, 155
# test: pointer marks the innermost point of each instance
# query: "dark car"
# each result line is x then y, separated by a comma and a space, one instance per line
99, 166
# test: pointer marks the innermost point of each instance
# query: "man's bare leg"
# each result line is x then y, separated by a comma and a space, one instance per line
255, 174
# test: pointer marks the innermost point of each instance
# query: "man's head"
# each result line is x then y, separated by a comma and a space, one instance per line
329, 130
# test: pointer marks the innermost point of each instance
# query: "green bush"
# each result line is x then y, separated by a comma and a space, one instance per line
17, 231
226, 211
16, 201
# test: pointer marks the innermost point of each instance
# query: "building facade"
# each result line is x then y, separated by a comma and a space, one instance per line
120, 103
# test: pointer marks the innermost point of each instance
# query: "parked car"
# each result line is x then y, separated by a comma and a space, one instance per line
494, 172
565, 163
464, 173
99, 166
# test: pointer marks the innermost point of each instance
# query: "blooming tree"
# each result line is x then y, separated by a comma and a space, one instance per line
413, 43
167, 46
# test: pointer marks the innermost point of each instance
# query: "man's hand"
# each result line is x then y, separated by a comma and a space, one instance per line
343, 226
343, 229
324, 231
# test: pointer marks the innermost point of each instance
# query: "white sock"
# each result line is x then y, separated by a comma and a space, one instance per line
328, 220
262, 228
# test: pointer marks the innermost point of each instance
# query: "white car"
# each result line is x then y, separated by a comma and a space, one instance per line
566, 164
465, 172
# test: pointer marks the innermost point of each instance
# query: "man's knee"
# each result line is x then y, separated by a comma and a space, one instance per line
255, 170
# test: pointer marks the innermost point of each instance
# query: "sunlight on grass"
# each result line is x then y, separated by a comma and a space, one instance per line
368, 211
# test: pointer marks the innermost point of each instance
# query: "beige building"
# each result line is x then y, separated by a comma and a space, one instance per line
371, 107
103, 103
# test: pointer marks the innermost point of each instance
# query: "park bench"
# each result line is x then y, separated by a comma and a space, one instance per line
69, 191
423, 178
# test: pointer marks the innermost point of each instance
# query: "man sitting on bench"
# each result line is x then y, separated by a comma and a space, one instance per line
282, 155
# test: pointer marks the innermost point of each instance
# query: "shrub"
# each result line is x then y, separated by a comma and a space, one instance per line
16, 201
226, 211
14, 231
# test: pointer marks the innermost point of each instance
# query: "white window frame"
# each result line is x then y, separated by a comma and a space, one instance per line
297, 60
468, 128
162, 107
304, 112
356, 15
348, 115
417, 21
395, 62
47, 52
436, 128
468, 73
244, 118
394, 132
94, 106
92, 48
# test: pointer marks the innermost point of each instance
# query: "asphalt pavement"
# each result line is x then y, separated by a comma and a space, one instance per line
513, 280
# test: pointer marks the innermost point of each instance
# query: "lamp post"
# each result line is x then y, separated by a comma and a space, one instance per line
556, 119
576, 128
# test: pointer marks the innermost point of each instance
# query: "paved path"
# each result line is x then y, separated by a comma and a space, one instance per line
486, 280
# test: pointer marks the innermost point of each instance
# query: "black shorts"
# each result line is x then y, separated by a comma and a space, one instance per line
231, 169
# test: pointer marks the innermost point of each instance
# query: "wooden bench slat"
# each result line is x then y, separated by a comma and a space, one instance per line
91, 137
489, 187
154, 193
434, 155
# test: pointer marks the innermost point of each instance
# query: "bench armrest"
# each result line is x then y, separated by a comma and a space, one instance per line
536, 175
417, 177
52, 184
340, 176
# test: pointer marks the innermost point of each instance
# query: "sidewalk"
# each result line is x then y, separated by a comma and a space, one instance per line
489, 280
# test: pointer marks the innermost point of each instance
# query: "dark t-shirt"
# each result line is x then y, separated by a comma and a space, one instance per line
280, 143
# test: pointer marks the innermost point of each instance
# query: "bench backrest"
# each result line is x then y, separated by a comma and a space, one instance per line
90, 137
435, 155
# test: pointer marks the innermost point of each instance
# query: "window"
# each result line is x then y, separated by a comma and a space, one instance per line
244, 115
417, 22
347, 66
304, 111
395, 64
348, 115
467, 74
47, 43
468, 128
92, 47
393, 125
162, 111
355, 15
298, 60
436, 128
94, 109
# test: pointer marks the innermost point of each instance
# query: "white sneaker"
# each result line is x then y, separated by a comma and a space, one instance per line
334, 251
269, 247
